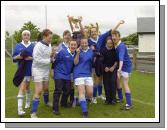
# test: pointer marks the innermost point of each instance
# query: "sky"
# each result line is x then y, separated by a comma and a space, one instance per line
107, 16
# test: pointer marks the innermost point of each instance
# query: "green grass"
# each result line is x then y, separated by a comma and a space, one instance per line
142, 86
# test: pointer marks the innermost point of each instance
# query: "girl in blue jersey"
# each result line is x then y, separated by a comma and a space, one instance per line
83, 74
27, 46
63, 67
97, 42
124, 70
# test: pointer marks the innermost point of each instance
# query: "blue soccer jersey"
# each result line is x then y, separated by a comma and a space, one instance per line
64, 64
99, 43
84, 67
122, 54
29, 49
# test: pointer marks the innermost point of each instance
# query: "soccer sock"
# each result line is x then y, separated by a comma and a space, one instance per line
120, 95
46, 97
128, 99
95, 91
35, 103
99, 89
20, 102
83, 105
28, 97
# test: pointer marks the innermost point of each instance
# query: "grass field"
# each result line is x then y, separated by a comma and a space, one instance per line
143, 97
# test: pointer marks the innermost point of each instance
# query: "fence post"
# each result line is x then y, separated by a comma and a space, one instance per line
134, 58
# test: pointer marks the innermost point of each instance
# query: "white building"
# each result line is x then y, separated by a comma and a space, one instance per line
146, 34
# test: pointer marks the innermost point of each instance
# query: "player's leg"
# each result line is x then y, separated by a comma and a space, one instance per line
127, 90
28, 92
82, 100
95, 89
106, 87
36, 98
119, 89
99, 88
89, 88
20, 97
80, 83
113, 77
66, 93
56, 95
46, 91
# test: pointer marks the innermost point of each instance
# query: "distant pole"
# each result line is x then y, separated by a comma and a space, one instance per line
46, 16
12, 44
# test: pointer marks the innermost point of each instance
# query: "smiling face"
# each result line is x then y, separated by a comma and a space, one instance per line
109, 43
48, 38
116, 37
66, 36
84, 43
73, 46
86, 32
26, 37
93, 33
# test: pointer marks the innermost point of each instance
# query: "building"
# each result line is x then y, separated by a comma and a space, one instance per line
146, 34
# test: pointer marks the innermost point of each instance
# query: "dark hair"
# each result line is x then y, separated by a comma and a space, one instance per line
45, 33
66, 32
116, 33
39, 37
109, 38
73, 40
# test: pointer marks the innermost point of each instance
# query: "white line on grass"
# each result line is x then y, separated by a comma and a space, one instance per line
136, 100
142, 102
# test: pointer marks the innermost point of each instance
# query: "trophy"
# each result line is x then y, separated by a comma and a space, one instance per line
75, 23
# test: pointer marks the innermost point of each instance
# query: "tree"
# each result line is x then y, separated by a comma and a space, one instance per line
56, 39
7, 34
131, 39
27, 26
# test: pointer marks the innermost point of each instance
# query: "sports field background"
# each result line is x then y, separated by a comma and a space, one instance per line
142, 86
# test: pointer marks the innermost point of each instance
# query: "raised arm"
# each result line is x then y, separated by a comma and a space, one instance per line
80, 24
116, 27
69, 20
76, 59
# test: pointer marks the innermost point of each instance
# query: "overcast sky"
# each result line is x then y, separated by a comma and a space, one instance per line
107, 16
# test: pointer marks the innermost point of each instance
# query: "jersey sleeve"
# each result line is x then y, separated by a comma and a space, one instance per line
59, 57
121, 52
15, 51
102, 39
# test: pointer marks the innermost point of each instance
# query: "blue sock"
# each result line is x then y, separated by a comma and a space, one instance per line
120, 95
46, 97
83, 105
95, 91
99, 89
35, 103
128, 99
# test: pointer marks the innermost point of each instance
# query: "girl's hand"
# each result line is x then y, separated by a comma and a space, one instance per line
92, 47
106, 69
111, 69
28, 58
122, 22
119, 74
78, 50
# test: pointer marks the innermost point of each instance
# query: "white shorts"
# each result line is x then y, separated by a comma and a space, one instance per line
39, 75
27, 78
84, 81
125, 74
40, 78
